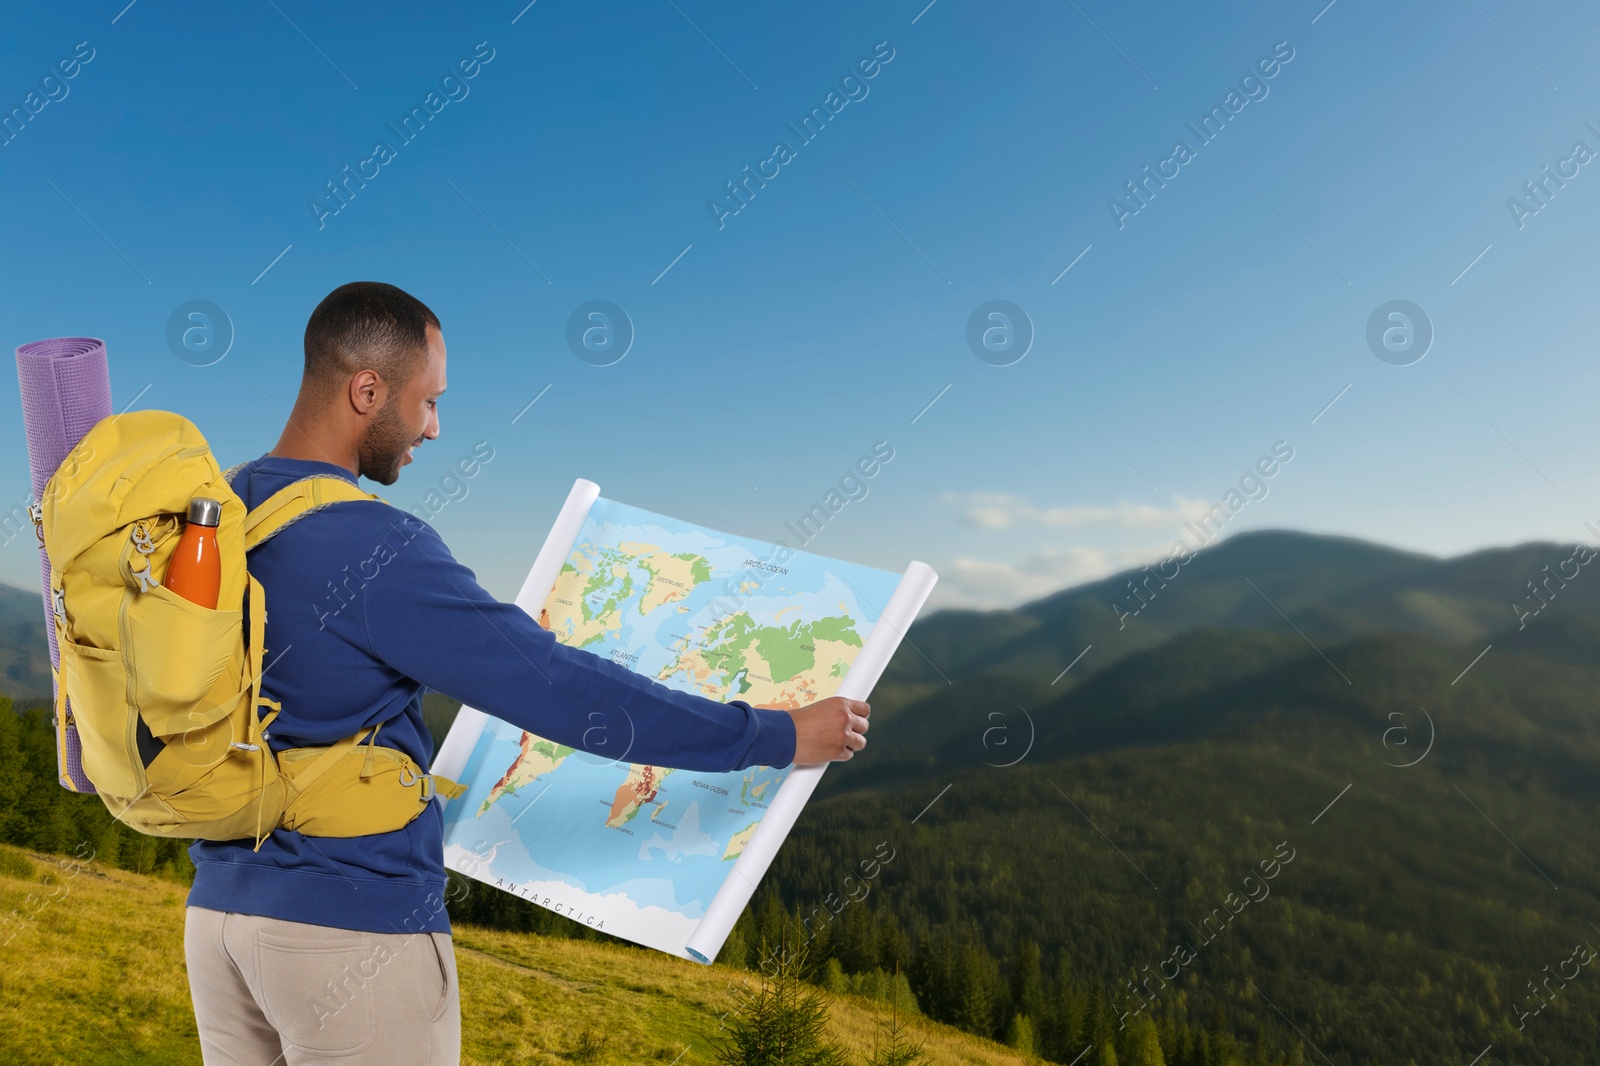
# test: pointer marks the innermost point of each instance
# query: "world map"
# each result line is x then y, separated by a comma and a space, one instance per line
612, 843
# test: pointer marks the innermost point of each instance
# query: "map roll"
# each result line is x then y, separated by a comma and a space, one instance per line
751, 865
453, 754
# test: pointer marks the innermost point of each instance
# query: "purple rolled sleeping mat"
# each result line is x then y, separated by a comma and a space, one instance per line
66, 389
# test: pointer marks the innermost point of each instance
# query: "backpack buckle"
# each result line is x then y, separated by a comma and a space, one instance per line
36, 513
58, 599
407, 778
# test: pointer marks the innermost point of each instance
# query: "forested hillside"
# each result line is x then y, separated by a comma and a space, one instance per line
1317, 801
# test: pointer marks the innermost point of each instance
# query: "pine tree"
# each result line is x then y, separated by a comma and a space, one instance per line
936, 977
1019, 1034
769, 919
1224, 1047
1096, 1025
901, 996
853, 940
1144, 1046
1061, 1027
1185, 1050
819, 932
781, 1022
833, 978
13, 822
1027, 984
889, 1044
1171, 1035
893, 944
975, 1003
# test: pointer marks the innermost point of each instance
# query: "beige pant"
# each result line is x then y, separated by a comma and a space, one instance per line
270, 992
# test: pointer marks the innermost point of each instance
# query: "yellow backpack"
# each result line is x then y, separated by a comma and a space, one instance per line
164, 692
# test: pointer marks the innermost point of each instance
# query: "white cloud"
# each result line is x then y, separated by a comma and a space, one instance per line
998, 510
1114, 538
991, 583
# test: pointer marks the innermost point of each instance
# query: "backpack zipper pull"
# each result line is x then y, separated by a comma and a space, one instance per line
142, 541
147, 580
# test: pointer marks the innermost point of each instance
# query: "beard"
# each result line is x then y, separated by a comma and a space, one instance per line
384, 445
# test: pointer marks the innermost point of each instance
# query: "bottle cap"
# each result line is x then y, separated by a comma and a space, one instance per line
204, 511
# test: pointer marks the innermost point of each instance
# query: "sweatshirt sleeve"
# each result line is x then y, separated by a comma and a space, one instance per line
426, 616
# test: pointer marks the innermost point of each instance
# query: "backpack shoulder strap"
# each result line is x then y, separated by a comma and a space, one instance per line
297, 499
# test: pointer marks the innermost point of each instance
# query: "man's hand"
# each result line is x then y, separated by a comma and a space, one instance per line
829, 730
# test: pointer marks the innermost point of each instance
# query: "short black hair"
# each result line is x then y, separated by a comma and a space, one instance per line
366, 325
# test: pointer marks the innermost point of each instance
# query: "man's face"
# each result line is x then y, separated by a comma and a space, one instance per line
409, 417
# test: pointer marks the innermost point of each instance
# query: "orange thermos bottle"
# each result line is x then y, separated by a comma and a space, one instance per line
195, 569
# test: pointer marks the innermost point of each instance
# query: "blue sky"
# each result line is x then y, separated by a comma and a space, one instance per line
831, 312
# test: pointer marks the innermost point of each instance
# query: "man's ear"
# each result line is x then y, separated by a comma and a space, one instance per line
368, 391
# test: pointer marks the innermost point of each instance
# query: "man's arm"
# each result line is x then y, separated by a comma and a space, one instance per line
427, 617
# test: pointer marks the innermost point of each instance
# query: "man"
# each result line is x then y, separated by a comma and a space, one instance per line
316, 949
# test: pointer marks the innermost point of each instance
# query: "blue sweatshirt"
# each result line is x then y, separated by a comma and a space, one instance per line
367, 609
